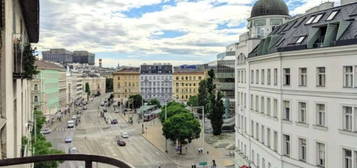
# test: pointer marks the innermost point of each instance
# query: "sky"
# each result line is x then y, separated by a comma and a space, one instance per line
132, 32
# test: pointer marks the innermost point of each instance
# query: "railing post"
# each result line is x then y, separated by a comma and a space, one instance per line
88, 164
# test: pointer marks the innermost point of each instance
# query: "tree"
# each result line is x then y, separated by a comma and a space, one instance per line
87, 90
108, 85
216, 115
154, 102
29, 58
41, 145
136, 101
172, 109
182, 127
193, 101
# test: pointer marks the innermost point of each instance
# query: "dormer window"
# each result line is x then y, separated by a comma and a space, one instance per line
317, 18
332, 15
310, 20
300, 39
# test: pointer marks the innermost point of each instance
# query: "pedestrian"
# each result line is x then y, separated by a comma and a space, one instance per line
207, 152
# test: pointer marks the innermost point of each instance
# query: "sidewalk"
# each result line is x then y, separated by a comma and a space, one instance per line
153, 133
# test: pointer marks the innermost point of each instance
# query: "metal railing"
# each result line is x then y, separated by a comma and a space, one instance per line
88, 159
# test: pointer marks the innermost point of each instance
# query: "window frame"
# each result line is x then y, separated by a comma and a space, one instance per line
318, 17
300, 39
302, 149
287, 77
348, 75
302, 118
332, 15
320, 82
318, 112
303, 77
312, 18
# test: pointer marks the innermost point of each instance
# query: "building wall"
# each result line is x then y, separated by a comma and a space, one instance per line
156, 86
16, 111
125, 84
96, 84
186, 84
334, 96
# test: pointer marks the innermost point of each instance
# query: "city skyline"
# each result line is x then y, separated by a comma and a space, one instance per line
148, 24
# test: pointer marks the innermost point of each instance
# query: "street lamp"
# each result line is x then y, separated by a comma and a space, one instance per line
165, 120
203, 123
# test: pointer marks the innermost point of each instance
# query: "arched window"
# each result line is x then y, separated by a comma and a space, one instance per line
36, 87
36, 99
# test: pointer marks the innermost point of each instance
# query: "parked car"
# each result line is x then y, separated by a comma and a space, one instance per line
105, 110
125, 134
121, 142
84, 108
45, 131
72, 150
102, 103
68, 140
114, 121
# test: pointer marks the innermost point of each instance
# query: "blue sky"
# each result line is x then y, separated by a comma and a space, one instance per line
137, 31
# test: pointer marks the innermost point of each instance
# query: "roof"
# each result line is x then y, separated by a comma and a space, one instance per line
188, 72
128, 70
31, 13
46, 65
300, 34
269, 7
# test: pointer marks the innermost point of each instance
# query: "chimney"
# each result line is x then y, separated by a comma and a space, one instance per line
344, 2
100, 63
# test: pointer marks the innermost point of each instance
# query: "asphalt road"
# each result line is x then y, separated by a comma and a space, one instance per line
94, 136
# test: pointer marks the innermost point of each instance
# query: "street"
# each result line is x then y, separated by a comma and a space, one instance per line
94, 136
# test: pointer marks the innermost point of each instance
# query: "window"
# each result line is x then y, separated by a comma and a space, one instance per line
275, 141
262, 135
302, 76
251, 101
262, 105
257, 77
257, 131
321, 77
36, 87
302, 112
320, 154
287, 76
347, 158
320, 116
286, 145
347, 118
310, 20
252, 128
268, 137
257, 103
286, 114
275, 106
348, 76
300, 39
252, 77
36, 99
268, 106
263, 77
317, 18
275, 77
332, 15
269, 77
302, 149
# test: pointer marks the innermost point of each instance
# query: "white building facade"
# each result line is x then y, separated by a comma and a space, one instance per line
296, 95
156, 82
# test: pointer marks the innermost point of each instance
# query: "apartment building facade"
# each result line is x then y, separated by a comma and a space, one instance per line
156, 82
296, 94
18, 27
186, 84
126, 83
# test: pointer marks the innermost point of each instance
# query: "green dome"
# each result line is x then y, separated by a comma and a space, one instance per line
269, 7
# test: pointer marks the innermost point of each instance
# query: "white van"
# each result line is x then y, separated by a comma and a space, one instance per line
70, 124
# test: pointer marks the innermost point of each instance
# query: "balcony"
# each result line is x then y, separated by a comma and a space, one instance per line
88, 159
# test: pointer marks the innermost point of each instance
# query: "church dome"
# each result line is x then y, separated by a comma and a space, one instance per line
269, 7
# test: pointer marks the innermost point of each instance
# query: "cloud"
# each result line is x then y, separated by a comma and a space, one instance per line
192, 28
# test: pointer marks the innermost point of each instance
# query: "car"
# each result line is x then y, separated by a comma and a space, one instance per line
124, 135
102, 103
68, 140
84, 108
72, 150
121, 142
45, 131
114, 121
105, 110
70, 124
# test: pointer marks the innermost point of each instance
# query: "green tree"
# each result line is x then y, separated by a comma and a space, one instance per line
216, 114
193, 101
87, 90
108, 85
135, 101
154, 102
29, 58
182, 127
172, 108
41, 145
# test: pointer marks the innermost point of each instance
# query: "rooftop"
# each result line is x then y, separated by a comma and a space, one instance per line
46, 65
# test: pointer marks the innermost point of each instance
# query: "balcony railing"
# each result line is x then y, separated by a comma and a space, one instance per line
88, 159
